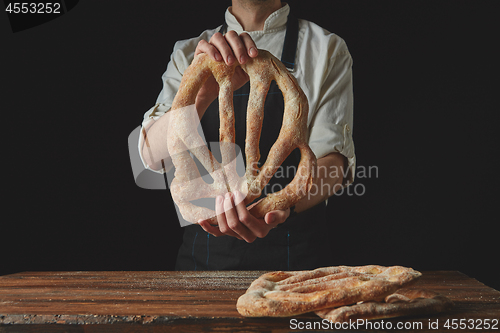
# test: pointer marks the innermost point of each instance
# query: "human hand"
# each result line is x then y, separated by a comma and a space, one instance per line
235, 220
230, 48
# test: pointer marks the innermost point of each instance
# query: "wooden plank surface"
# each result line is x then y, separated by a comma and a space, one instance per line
186, 301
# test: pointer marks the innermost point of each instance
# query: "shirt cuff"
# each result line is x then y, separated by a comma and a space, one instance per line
323, 143
150, 116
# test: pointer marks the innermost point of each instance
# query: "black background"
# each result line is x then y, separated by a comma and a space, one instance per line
425, 83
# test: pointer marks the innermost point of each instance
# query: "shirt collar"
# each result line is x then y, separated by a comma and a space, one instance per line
275, 21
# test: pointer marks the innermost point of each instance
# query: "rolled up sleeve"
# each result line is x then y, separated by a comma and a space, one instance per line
181, 57
330, 130
171, 79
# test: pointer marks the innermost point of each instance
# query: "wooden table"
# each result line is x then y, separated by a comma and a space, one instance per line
198, 301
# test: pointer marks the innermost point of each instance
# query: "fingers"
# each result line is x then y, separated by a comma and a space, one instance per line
235, 220
220, 204
249, 45
233, 217
210, 49
242, 45
254, 225
220, 42
230, 47
237, 46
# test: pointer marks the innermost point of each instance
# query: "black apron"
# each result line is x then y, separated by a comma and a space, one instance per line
300, 242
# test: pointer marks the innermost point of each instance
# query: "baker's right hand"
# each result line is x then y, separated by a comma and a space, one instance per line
234, 219
229, 48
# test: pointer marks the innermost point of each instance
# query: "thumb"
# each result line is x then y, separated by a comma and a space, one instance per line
276, 216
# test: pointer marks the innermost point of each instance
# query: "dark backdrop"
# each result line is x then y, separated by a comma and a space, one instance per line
425, 79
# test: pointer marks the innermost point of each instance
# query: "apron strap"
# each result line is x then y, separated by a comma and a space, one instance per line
223, 28
291, 40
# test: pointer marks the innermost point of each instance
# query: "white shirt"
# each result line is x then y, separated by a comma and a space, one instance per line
323, 69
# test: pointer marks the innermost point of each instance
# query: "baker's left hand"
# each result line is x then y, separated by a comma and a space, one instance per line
235, 220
